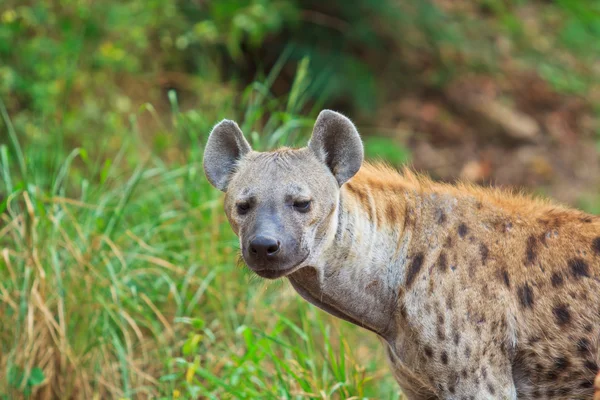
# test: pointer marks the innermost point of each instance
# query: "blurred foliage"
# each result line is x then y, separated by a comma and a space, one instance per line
386, 149
72, 62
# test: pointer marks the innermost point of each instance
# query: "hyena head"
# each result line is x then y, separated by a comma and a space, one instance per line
283, 204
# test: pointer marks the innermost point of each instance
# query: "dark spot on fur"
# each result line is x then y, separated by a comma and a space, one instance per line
448, 243
588, 328
539, 368
562, 314
464, 373
506, 278
579, 268
428, 351
441, 217
596, 245
391, 213
484, 252
583, 345
444, 358
531, 252
467, 351
587, 384
561, 363
484, 372
586, 220
533, 340
556, 279
525, 294
462, 230
413, 269
491, 388
591, 365
440, 332
442, 262
572, 294
456, 338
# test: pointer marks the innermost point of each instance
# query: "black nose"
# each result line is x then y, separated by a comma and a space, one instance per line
264, 246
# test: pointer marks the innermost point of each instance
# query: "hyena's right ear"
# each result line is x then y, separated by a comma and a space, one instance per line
336, 142
225, 146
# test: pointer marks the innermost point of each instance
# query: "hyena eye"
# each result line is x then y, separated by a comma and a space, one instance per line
243, 207
302, 205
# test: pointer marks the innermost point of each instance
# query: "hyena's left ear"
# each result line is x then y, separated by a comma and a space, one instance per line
336, 142
225, 146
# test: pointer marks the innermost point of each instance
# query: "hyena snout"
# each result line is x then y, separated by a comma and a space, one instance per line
264, 247
272, 255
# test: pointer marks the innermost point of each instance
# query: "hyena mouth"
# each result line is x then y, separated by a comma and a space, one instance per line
269, 273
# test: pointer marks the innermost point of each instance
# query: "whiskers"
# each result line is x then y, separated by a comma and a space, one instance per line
239, 260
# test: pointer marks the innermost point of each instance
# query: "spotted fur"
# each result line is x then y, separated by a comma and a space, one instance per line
524, 286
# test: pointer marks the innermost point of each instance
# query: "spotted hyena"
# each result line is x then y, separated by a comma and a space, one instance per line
475, 293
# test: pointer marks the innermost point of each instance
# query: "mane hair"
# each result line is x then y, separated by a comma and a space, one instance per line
381, 175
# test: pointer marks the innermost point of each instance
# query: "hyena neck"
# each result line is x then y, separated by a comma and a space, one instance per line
361, 273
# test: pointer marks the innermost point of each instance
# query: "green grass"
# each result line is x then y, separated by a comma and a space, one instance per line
119, 277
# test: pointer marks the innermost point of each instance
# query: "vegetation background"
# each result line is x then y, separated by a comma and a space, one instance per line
118, 272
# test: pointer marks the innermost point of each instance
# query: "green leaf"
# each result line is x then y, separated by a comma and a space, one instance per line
15, 376
36, 377
105, 170
198, 323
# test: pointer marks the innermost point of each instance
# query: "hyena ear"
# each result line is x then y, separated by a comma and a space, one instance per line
336, 142
225, 146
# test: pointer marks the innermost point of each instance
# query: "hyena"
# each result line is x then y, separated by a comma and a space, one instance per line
475, 293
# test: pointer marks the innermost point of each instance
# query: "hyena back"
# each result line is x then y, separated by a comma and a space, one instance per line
475, 293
